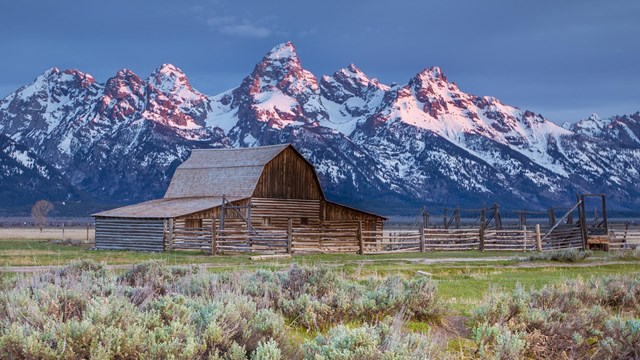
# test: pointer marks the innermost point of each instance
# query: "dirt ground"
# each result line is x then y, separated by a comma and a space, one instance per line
70, 233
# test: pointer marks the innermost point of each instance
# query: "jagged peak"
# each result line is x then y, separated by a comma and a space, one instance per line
284, 51
126, 73
594, 117
432, 73
169, 78
354, 74
52, 71
169, 70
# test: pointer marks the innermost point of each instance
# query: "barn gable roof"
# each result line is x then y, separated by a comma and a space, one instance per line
218, 172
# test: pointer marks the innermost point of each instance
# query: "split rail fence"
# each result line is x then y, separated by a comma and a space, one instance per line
624, 236
352, 238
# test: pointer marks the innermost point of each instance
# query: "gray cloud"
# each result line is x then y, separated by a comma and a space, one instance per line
242, 27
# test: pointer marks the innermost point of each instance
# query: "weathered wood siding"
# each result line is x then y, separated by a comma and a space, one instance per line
279, 211
333, 212
129, 234
288, 176
215, 212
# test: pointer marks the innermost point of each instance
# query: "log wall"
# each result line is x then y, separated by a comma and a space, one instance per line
130, 234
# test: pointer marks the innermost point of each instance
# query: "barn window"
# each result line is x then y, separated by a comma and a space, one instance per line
304, 221
266, 221
193, 223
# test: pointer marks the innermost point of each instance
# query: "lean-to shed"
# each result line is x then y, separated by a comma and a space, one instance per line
246, 189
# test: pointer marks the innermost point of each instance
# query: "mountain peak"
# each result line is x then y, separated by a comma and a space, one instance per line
432, 73
284, 51
168, 69
170, 78
352, 77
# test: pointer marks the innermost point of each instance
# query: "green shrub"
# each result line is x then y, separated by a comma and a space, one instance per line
625, 254
267, 351
157, 311
569, 255
385, 340
573, 319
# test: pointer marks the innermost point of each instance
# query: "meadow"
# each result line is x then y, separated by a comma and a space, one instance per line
83, 303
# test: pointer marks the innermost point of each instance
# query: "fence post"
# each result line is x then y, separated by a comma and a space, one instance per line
626, 232
360, 238
482, 237
289, 235
524, 240
164, 234
422, 239
538, 238
170, 234
214, 237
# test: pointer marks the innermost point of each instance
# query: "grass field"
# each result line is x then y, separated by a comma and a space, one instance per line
463, 277
464, 280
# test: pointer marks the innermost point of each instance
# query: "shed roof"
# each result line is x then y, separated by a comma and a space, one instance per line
166, 208
217, 172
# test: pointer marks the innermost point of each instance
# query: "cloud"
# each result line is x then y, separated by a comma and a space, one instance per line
234, 26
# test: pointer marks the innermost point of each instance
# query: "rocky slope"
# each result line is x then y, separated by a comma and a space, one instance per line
401, 146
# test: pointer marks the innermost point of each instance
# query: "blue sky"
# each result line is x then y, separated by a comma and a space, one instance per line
564, 59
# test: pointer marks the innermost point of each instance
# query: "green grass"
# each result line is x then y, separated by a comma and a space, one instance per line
464, 287
461, 283
40, 253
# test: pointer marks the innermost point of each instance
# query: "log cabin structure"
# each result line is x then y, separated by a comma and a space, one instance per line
248, 195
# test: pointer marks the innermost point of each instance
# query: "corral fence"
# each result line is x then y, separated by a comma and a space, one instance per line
330, 237
525, 239
624, 236
353, 237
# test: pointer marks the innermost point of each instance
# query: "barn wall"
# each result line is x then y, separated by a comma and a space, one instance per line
130, 234
215, 212
279, 211
288, 176
336, 213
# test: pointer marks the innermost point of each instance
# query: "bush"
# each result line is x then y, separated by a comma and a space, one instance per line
625, 254
574, 319
569, 255
157, 311
385, 340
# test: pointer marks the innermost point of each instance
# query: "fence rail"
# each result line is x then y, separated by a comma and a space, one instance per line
377, 242
451, 239
352, 238
624, 237
510, 240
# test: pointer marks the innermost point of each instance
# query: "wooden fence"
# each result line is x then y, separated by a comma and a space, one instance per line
451, 239
378, 242
564, 237
624, 236
503, 240
352, 238
185, 238
242, 240
511, 240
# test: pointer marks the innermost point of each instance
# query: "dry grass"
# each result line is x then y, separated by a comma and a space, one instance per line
70, 233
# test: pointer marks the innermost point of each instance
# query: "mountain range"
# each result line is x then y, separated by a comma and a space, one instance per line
387, 148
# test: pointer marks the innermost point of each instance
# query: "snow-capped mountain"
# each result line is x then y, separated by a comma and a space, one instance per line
426, 142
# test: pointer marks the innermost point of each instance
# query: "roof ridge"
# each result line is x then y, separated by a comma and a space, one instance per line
245, 148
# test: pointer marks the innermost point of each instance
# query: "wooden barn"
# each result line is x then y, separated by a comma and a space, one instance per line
247, 199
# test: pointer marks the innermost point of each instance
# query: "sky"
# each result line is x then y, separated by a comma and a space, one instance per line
563, 59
